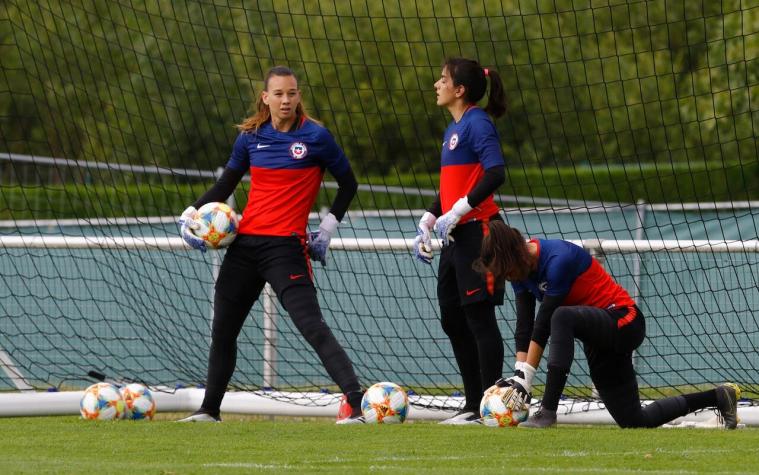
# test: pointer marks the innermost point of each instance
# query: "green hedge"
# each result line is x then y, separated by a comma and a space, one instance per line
653, 185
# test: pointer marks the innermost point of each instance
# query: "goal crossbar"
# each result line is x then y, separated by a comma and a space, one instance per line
373, 244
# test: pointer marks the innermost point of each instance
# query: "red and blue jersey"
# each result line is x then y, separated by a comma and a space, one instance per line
470, 146
567, 269
286, 170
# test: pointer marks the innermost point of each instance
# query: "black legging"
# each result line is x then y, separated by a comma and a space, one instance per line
609, 353
477, 346
243, 275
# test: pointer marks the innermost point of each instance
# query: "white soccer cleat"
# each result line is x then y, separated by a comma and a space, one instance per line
359, 419
463, 418
200, 416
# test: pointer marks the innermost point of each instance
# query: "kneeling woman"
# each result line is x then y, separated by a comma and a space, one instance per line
578, 299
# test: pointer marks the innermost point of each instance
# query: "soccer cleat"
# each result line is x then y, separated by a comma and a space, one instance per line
540, 420
727, 404
344, 410
200, 416
354, 419
462, 418
346, 414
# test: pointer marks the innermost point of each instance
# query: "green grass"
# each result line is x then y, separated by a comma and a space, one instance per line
245, 445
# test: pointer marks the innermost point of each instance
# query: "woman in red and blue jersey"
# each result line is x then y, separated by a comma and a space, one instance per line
286, 153
579, 299
472, 169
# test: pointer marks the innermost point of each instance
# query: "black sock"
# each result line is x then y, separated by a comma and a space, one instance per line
354, 399
555, 381
701, 400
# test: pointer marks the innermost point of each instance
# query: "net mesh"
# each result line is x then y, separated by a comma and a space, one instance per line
112, 112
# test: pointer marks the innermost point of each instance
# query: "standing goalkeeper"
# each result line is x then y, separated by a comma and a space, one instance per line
578, 299
471, 170
286, 153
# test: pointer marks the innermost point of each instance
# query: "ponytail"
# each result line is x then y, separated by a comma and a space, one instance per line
497, 99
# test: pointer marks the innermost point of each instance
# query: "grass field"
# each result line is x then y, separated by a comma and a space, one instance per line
72, 445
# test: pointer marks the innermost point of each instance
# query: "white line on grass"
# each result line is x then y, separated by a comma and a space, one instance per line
259, 466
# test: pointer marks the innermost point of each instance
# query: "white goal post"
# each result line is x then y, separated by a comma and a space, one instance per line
30, 403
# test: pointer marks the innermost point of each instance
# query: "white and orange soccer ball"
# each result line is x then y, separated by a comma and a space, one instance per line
495, 412
218, 224
385, 403
102, 401
139, 402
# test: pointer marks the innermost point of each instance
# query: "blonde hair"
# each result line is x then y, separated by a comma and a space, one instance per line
263, 114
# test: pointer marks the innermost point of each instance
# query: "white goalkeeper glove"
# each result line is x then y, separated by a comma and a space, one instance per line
423, 242
518, 394
187, 223
318, 241
447, 222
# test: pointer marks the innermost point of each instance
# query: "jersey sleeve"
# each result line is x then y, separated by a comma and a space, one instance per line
485, 143
332, 156
240, 159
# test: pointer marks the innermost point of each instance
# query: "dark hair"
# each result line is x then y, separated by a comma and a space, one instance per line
262, 114
469, 73
504, 253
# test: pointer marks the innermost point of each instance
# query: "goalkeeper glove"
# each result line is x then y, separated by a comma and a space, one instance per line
518, 395
318, 241
187, 223
423, 242
447, 222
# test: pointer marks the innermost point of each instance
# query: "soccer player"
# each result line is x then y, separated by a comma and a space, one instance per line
286, 153
472, 169
578, 299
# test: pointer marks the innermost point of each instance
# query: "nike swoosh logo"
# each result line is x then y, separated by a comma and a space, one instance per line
260, 145
295, 276
469, 293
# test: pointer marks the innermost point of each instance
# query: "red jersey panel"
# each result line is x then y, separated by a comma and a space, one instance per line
596, 288
458, 181
295, 192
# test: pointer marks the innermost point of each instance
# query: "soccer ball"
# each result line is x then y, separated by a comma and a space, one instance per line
385, 403
495, 413
218, 224
139, 402
102, 401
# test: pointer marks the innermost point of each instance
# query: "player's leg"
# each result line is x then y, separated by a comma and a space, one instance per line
454, 323
622, 402
479, 297
480, 318
613, 374
237, 288
596, 328
287, 270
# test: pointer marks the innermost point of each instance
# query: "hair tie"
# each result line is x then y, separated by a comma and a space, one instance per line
485, 70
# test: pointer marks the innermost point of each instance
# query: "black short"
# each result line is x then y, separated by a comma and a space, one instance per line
252, 261
457, 283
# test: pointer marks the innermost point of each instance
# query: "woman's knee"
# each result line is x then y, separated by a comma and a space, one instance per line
562, 318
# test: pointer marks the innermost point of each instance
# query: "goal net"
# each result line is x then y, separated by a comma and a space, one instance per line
627, 122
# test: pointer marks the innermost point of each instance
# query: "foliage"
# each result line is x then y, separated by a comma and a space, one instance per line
663, 184
589, 83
